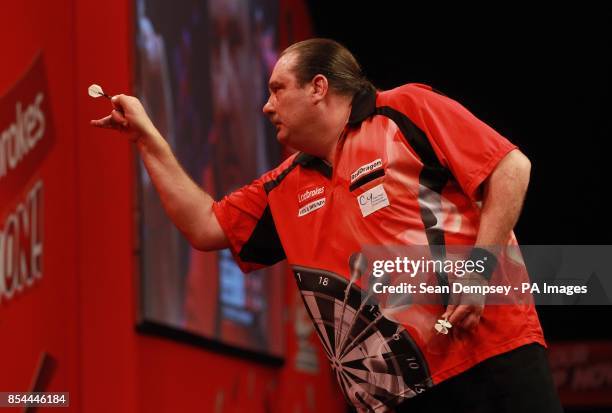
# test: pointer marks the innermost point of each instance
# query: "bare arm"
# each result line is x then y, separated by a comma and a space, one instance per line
187, 205
504, 193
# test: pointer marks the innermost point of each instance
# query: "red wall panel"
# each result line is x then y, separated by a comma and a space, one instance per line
42, 317
82, 310
104, 212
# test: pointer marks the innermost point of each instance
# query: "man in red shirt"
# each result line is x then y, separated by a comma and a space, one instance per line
407, 167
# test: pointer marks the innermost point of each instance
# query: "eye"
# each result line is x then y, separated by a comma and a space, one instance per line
274, 88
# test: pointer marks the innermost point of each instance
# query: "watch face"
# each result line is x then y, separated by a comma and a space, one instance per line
377, 364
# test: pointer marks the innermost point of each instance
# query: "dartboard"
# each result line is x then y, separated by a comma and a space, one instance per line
376, 362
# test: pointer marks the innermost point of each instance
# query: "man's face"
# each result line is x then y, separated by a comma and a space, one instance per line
290, 107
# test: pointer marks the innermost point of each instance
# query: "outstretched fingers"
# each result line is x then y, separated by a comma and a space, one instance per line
105, 122
118, 118
115, 120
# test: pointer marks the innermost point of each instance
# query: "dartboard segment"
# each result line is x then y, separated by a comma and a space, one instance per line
376, 361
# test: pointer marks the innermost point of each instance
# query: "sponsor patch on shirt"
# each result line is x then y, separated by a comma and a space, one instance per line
310, 207
365, 169
310, 193
372, 200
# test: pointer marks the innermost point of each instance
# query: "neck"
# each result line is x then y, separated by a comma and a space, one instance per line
335, 118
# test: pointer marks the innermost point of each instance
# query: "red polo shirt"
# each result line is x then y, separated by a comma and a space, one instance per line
406, 172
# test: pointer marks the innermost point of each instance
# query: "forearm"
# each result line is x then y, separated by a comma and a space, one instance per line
187, 205
504, 193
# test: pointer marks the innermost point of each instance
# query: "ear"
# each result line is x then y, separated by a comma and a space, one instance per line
320, 86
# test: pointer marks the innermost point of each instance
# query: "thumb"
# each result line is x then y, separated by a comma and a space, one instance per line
449, 310
118, 118
117, 103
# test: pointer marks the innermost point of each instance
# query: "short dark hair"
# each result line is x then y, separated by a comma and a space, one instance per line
331, 59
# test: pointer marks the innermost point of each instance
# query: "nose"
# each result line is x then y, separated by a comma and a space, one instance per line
268, 109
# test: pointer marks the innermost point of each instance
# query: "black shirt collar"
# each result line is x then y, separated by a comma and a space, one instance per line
363, 106
312, 162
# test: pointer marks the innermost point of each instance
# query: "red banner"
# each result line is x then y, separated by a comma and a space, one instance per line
583, 372
26, 136
26, 131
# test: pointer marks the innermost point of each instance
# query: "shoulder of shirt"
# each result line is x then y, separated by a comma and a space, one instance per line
280, 168
410, 93
274, 178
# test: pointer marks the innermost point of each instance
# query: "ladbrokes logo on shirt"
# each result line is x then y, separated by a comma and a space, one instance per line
310, 200
310, 193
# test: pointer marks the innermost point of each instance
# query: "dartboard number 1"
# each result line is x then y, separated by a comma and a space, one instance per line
374, 310
412, 363
323, 281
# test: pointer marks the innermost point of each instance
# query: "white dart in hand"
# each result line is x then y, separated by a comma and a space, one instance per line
442, 326
95, 91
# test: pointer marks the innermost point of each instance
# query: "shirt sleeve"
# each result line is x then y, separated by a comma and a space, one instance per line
245, 217
464, 144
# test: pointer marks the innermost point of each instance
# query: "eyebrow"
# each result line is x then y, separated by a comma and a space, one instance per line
274, 84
